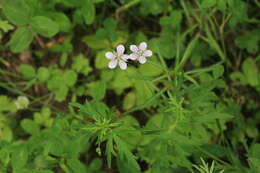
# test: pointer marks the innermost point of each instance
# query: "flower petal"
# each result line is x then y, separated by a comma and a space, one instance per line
133, 56
110, 55
120, 49
147, 53
125, 57
122, 64
143, 46
142, 59
112, 64
133, 48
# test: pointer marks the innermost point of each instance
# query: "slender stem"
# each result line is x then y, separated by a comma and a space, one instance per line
187, 54
147, 102
125, 7
212, 156
184, 6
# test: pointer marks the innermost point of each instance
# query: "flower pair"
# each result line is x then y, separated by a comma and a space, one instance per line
119, 58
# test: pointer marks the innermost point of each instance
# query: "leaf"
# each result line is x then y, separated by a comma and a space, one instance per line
76, 166
30, 126
218, 71
200, 52
5, 26
128, 132
144, 91
81, 64
96, 165
110, 26
43, 74
6, 133
63, 59
44, 26
109, 150
70, 78
126, 160
21, 39
88, 12
61, 93
19, 157
27, 71
44, 171
151, 68
6, 104
238, 76
174, 20
249, 41
208, 3
62, 20
251, 71
43, 118
56, 80
254, 156
122, 80
93, 42
153, 6
164, 45
101, 61
99, 91
16, 11
222, 5
129, 101
239, 10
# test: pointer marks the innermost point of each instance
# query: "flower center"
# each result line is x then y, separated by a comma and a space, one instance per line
118, 56
140, 53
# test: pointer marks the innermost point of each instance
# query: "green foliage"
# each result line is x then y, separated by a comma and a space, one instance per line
44, 26
21, 39
16, 11
63, 110
81, 65
27, 71
249, 41
250, 74
204, 168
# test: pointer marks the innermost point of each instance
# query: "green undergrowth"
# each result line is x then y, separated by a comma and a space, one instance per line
192, 107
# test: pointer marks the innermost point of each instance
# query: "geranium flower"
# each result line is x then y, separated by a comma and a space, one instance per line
140, 53
117, 57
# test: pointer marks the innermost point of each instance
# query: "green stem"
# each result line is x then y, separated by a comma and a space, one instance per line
212, 156
187, 54
3, 72
126, 6
184, 6
142, 106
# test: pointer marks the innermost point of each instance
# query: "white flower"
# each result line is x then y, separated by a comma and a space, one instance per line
140, 53
117, 57
22, 102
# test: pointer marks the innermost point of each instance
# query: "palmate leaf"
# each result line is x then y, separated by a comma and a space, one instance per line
19, 157
93, 110
6, 104
249, 41
99, 91
110, 150
126, 160
250, 70
76, 166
